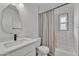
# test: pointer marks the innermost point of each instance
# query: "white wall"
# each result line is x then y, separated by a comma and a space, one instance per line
76, 25
29, 17
30, 20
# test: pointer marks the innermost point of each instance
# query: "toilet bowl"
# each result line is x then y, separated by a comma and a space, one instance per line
42, 51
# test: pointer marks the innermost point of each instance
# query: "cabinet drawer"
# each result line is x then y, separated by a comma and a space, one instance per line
31, 53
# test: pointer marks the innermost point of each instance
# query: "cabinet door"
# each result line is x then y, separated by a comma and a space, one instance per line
20, 52
64, 29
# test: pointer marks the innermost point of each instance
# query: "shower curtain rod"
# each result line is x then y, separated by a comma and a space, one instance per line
55, 8
60, 5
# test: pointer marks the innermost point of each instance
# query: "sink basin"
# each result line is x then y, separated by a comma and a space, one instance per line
14, 43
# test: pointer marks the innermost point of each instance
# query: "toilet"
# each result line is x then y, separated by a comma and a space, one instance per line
42, 51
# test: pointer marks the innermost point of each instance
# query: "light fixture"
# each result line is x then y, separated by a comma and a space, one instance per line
15, 4
21, 5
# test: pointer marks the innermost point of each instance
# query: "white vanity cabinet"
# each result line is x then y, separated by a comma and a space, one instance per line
27, 50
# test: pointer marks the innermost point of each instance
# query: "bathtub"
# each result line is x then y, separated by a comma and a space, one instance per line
62, 52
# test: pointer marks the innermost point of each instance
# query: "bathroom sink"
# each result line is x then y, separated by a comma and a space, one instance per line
15, 43
20, 47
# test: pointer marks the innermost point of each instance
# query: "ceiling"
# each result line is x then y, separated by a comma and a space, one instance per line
44, 6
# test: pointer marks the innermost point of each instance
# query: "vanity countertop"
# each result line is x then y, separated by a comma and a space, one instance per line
4, 50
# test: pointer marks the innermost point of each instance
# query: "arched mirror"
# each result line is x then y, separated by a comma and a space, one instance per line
11, 21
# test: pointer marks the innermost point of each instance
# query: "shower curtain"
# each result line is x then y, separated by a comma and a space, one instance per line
46, 30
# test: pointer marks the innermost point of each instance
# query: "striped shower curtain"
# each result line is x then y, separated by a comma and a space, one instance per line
46, 30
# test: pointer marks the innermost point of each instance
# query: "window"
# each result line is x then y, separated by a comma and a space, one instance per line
63, 21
